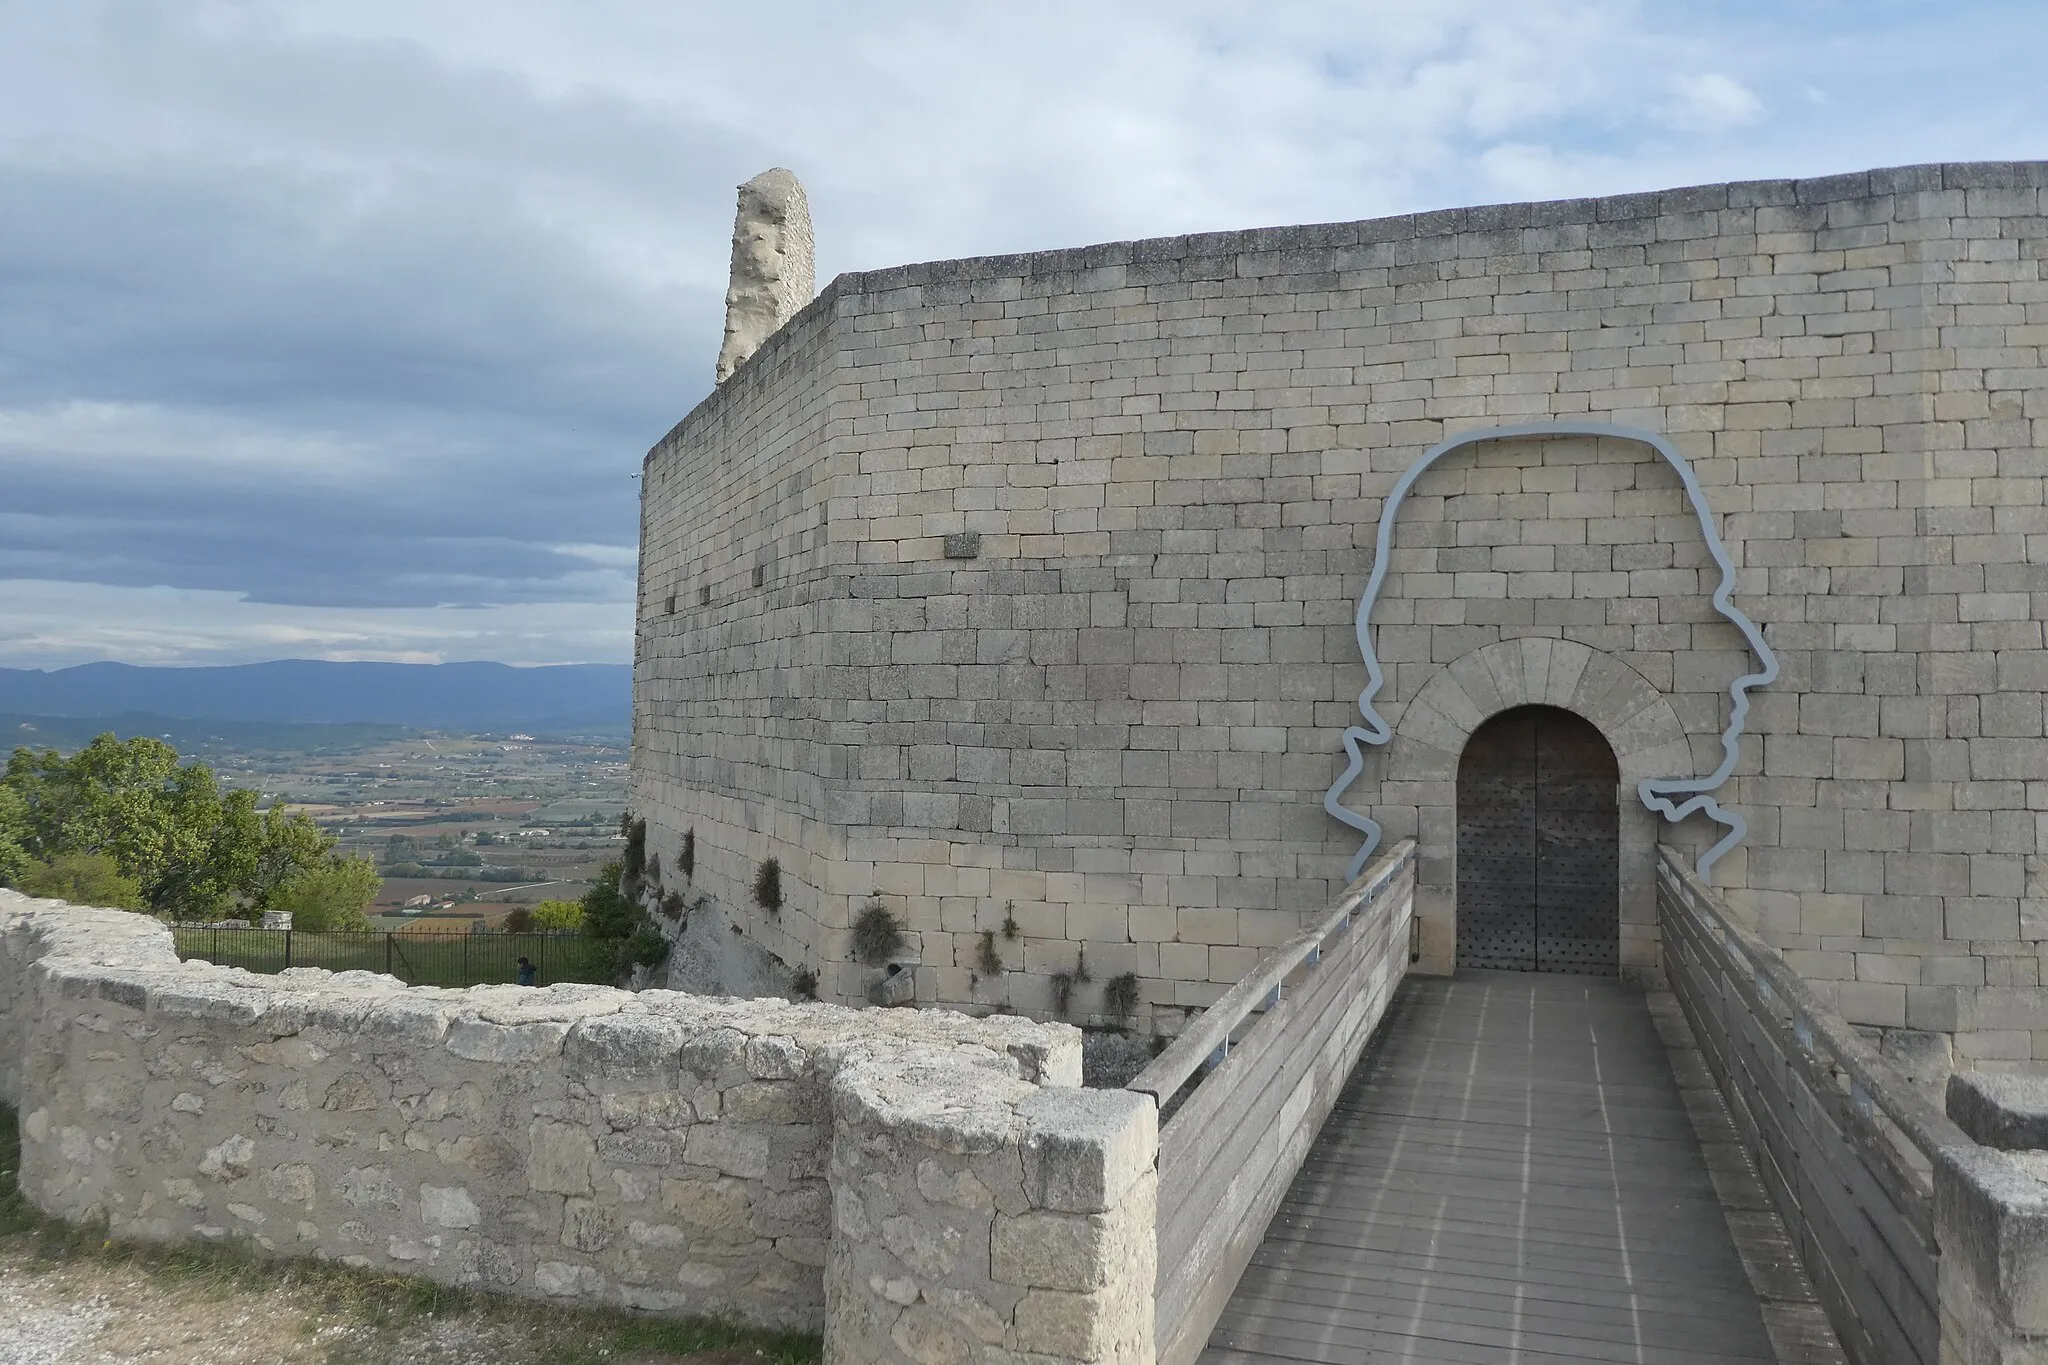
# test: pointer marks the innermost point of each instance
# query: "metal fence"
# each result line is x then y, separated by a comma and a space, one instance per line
1266, 1063
453, 959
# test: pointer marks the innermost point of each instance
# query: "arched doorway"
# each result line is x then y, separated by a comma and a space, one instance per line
1539, 845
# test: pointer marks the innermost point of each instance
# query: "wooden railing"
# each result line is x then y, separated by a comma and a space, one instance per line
1841, 1140
1245, 1088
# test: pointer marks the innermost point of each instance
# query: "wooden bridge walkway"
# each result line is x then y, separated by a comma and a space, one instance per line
1509, 1176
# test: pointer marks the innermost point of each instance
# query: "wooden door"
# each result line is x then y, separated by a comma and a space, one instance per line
1538, 845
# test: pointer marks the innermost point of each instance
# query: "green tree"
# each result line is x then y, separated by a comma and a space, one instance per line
556, 917
329, 896
196, 851
83, 879
14, 857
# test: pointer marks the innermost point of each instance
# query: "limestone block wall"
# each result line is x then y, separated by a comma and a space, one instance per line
735, 595
1116, 722
656, 1152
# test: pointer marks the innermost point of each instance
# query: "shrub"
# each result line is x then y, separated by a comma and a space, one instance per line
633, 862
646, 947
617, 930
673, 905
686, 856
557, 917
877, 934
1120, 995
83, 879
768, 886
803, 983
988, 959
519, 921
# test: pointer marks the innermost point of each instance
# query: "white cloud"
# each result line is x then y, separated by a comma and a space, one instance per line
1711, 103
120, 434
367, 305
52, 625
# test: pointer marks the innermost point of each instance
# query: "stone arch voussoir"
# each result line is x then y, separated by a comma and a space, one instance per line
1631, 714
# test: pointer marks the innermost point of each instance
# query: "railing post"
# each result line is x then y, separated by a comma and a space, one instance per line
287, 949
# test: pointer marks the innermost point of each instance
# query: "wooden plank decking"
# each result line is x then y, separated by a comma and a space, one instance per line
1510, 1175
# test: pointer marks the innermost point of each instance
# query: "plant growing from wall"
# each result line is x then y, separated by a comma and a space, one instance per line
1062, 993
877, 934
674, 906
1010, 929
803, 983
1063, 983
987, 959
1120, 996
633, 862
768, 886
686, 855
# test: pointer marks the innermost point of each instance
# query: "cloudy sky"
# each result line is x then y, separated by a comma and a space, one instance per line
337, 328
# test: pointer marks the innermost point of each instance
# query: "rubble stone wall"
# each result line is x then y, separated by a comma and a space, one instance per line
1066, 633
651, 1151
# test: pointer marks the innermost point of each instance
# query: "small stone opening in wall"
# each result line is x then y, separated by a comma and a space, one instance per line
963, 545
670, 609
704, 596
760, 574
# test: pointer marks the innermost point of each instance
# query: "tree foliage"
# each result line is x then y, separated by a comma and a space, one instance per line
82, 879
329, 895
618, 930
192, 849
14, 856
556, 917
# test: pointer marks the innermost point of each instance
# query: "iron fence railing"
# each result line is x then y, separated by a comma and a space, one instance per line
452, 959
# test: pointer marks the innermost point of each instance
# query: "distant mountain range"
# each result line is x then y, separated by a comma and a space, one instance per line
470, 697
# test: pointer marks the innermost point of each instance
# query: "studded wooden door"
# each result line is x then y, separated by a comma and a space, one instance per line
1538, 845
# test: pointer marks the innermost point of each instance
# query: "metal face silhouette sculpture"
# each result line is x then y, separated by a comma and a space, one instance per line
1672, 797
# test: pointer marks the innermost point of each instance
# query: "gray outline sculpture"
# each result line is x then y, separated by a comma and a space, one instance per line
1656, 793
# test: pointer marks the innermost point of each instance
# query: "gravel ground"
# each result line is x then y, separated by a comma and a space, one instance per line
35, 1331
85, 1311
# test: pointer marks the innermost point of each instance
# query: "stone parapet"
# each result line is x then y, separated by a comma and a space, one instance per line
790, 1165
984, 1222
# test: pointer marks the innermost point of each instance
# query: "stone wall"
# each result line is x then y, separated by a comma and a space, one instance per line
1168, 459
655, 1152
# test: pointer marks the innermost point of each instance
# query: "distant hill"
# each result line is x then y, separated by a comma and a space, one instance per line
195, 738
470, 697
